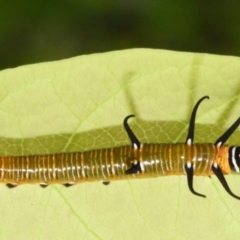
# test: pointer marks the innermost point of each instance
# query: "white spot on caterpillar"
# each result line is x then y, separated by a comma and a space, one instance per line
135, 146
189, 165
189, 142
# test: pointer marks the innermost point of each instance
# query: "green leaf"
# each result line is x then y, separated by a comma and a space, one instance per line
79, 104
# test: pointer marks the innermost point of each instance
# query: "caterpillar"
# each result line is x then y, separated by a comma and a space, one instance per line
134, 161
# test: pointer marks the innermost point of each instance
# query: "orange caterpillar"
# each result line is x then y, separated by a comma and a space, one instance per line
135, 161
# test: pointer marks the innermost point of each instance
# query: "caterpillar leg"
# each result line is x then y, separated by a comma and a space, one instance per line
105, 182
136, 145
69, 184
43, 184
12, 185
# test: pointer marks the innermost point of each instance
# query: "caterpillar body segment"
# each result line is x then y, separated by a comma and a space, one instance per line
125, 162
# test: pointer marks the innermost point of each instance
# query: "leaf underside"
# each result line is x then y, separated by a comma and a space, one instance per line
79, 103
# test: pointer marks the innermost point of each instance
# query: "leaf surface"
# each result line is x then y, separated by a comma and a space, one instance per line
79, 103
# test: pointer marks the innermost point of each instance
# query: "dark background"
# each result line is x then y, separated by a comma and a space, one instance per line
35, 31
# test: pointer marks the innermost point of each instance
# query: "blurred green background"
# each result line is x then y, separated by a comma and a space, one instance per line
36, 31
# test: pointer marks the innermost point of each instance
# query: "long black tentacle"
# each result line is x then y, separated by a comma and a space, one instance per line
190, 136
136, 168
189, 171
217, 171
131, 135
221, 140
